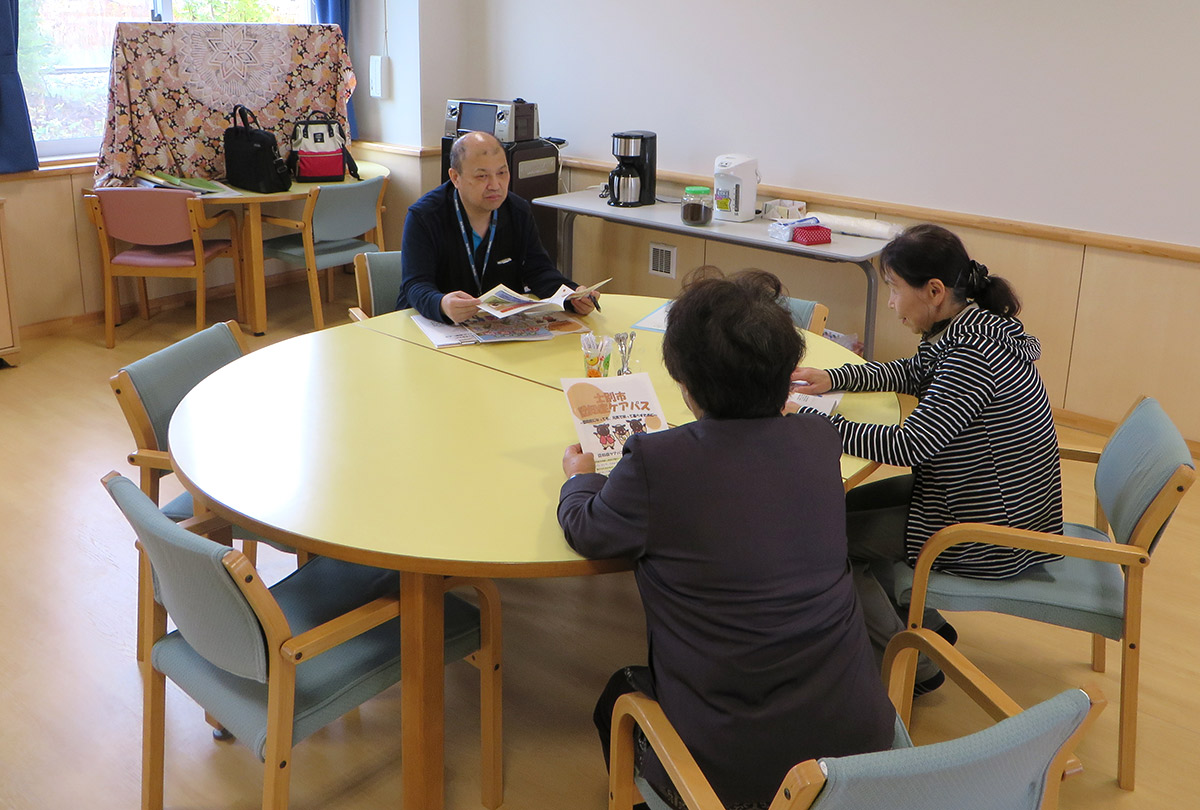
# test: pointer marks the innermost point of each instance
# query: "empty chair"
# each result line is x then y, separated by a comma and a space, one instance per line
808, 315
273, 665
377, 276
148, 391
1141, 475
1016, 764
340, 220
163, 228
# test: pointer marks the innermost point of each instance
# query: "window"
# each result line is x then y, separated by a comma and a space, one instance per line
66, 46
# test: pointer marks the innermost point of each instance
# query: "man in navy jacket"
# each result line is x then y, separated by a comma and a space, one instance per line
470, 234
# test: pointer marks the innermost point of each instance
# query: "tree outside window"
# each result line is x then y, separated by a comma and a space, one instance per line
66, 46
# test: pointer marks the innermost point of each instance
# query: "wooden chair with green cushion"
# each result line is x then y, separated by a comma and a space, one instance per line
1017, 764
809, 315
273, 665
1142, 474
148, 391
340, 221
377, 276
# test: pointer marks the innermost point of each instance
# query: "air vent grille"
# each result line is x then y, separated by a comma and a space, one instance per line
662, 260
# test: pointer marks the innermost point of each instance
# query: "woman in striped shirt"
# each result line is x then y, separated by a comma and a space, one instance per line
981, 441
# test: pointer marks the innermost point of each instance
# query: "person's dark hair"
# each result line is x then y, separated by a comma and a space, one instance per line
927, 251
731, 342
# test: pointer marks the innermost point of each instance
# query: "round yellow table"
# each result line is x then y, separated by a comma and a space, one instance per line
364, 443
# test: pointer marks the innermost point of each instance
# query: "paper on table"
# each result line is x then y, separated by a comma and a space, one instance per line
656, 321
825, 403
486, 329
445, 334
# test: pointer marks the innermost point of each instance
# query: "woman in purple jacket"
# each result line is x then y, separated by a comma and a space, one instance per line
757, 649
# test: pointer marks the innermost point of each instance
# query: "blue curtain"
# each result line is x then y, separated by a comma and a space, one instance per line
17, 150
336, 12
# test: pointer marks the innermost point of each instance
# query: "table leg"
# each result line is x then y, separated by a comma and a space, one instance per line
872, 302
422, 690
256, 283
566, 243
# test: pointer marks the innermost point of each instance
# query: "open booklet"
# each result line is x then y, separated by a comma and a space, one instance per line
197, 184
608, 410
502, 302
486, 329
825, 403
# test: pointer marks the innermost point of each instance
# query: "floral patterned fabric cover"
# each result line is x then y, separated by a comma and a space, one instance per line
173, 86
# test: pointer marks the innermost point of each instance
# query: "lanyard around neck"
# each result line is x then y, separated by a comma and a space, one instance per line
467, 242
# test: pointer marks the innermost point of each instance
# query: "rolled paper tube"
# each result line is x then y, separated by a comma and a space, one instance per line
859, 226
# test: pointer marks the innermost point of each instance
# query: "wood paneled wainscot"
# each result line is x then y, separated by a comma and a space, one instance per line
9, 344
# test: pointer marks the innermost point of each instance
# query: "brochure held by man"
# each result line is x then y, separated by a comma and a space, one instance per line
502, 301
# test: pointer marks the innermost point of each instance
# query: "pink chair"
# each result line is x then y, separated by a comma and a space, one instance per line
163, 230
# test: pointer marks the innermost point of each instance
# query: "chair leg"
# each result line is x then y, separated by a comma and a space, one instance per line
145, 607
143, 298
154, 707
330, 272
491, 700
154, 704
112, 305
201, 300
1127, 735
1098, 652
281, 708
250, 549
314, 295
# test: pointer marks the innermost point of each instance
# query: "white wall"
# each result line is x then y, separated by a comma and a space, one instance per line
435, 49
1076, 113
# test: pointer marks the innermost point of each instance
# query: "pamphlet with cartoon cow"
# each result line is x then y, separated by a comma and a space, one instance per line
608, 410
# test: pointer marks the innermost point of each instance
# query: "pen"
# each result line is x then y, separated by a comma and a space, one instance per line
595, 303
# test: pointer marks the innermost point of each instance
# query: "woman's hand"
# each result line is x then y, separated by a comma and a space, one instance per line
576, 461
811, 380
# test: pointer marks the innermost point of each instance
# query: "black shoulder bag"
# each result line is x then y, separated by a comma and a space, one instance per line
252, 160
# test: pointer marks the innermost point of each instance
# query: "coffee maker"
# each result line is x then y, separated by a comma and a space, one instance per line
632, 182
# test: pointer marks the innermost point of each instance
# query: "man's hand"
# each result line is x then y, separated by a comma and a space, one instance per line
459, 306
811, 380
586, 304
576, 461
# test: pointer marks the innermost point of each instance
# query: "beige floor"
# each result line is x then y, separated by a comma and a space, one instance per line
70, 691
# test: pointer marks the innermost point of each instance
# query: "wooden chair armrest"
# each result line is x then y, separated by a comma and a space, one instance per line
294, 224
637, 709
1022, 538
206, 222
357, 315
902, 652
1078, 454
153, 459
323, 637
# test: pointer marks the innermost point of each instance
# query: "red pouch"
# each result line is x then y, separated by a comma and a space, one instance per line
811, 235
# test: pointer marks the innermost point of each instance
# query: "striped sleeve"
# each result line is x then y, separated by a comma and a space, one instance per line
902, 376
963, 385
